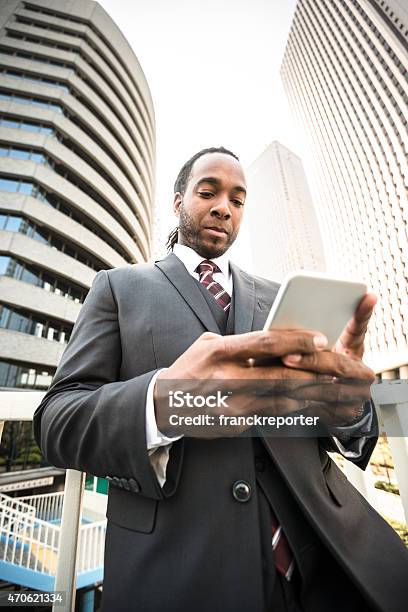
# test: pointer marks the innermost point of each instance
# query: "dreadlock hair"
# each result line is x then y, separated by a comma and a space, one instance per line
182, 180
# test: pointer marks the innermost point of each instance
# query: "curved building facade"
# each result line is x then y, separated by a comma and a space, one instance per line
77, 147
344, 71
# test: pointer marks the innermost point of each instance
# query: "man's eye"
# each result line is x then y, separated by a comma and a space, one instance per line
205, 194
238, 202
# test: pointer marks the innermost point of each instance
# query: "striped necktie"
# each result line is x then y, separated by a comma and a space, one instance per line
206, 269
282, 553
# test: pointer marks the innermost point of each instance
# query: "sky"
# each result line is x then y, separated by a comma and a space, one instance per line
213, 71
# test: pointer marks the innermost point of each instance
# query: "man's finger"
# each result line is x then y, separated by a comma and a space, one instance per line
334, 393
332, 364
269, 344
354, 332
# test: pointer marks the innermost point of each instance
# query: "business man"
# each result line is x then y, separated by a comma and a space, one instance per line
201, 520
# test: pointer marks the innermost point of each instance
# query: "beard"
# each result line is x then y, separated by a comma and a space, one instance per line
190, 235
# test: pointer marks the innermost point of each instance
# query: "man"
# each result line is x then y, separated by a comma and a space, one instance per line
230, 523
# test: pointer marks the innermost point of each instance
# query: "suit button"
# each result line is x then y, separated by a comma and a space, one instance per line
125, 484
241, 491
134, 486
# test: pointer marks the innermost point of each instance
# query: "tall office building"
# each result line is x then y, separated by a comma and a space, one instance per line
344, 71
77, 147
282, 223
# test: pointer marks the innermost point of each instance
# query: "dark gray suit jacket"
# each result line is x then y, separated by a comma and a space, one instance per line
191, 545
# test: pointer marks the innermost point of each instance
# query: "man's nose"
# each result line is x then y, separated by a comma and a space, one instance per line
221, 208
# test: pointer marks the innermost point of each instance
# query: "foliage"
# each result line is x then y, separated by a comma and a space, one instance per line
387, 486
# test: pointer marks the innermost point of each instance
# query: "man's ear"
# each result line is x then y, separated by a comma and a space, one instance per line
177, 203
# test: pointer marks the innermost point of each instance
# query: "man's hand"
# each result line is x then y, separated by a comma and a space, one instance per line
350, 345
257, 356
351, 341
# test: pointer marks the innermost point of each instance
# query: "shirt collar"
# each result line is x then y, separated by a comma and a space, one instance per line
191, 259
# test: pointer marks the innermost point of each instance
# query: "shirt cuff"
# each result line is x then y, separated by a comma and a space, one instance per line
154, 438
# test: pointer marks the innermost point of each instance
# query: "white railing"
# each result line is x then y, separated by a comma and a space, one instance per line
16, 503
28, 542
91, 545
47, 506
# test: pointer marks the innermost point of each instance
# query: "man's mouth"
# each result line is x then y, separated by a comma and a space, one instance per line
218, 230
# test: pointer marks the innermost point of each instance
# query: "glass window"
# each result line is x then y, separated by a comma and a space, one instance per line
13, 376
25, 227
4, 369
26, 187
20, 154
4, 316
48, 280
18, 322
14, 269
56, 243
41, 235
9, 123
13, 224
3, 221
38, 158
4, 262
69, 251
40, 103
76, 294
29, 127
4, 151
29, 276
8, 185
63, 288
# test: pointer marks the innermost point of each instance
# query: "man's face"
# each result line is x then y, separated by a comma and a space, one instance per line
210, 211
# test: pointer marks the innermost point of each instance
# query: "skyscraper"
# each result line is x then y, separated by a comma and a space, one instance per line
77, 147
344, 71
282, 223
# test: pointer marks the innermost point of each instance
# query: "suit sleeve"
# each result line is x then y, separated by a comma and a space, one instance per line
89, 419
356, 442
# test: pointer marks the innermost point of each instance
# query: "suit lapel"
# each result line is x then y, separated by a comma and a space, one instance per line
177, 274
244, 300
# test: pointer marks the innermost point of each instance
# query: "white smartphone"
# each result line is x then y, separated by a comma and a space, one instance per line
307, 300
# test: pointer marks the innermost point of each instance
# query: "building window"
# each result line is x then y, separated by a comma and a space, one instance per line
36, 79
34, 324
14, 223
30, 100
25, 125
14, 186
27, 377
27, 154
19, 270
